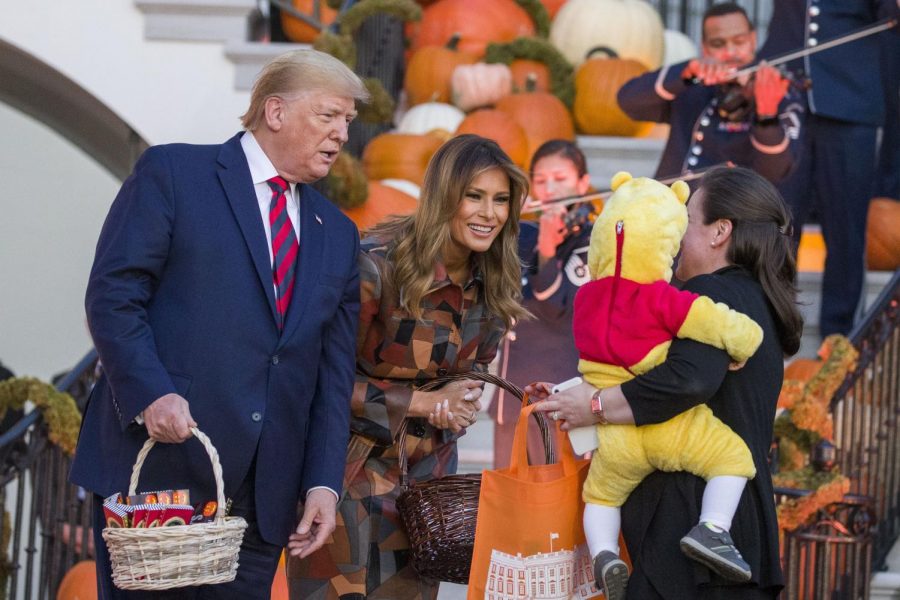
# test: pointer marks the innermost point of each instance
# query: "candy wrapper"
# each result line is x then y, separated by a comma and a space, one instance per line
181, 497
161, 515
117, 513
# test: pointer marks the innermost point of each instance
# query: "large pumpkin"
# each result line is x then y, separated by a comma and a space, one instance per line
500, 127
596, 108
382, 202
883, 235
630, 27
79, 582
478, 22
399, 156
431, 116
542, 116
430, 69
480, 84
300, 31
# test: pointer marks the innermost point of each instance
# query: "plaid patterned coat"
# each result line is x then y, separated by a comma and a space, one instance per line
395, 352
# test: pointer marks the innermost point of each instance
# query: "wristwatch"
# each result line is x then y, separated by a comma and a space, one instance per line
597, 407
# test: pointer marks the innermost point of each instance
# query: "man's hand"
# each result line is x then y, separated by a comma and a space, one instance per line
707, 72
769, 88
169, 419
317, 524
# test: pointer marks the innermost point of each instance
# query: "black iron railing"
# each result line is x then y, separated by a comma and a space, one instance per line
866, 410
834, 557
50, 519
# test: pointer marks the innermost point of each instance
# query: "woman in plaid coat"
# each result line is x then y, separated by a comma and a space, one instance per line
439, 289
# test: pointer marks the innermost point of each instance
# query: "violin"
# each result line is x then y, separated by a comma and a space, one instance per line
736, 99
736, 102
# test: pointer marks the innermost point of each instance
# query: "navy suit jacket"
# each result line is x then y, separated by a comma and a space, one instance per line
846, 80
180, 299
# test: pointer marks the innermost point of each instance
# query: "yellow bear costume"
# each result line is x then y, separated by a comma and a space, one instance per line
624, 321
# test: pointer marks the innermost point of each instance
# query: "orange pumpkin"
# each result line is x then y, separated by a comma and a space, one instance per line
521, 68
499, 126
382, 202
883, 235
430, 69
300, 31
478, 23
802, 369
399, 156
596, 108
542, 116
79, 582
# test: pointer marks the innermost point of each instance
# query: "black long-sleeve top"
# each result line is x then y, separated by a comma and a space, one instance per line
665, 506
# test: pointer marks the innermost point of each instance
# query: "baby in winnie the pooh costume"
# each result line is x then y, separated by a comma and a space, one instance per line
624, 321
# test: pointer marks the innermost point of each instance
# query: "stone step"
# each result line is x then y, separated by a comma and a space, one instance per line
196, 20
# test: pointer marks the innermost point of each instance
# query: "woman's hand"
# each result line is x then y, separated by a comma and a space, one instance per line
454, 406
572, 407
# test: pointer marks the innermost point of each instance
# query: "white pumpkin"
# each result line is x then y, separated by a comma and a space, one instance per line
630, 27
426, 117
481, 84
678, 47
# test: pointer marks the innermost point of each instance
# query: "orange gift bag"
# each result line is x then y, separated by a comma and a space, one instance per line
529, 541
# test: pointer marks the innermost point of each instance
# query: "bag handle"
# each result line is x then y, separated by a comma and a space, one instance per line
213, 458
518, 464
487, 378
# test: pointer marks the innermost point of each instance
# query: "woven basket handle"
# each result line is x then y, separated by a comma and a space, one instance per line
213, 457
546, 434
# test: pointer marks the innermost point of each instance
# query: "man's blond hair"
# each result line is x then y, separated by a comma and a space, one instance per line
301, 71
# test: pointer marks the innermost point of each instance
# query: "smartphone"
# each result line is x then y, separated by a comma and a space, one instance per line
583, 439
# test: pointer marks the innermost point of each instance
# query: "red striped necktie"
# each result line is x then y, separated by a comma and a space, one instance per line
284, 247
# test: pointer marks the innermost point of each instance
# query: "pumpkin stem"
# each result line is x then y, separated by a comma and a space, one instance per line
609, 52
530, 83
453, 42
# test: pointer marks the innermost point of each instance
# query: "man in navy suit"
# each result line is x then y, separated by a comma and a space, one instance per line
836, 169
225, 295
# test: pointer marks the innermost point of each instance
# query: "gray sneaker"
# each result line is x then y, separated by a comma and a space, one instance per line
610, 575
716, 550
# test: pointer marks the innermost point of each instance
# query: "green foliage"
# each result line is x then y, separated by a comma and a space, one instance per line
353, 18
347, 184
58, 408
539, 15
562, 74
380, 108
806, 478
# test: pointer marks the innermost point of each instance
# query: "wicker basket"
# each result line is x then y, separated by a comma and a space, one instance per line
161, 558
440, 514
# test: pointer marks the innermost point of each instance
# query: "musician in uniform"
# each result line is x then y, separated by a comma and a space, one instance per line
755, 125
846, 108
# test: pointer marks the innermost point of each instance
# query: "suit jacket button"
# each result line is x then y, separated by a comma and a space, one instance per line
442, 372
275, 360
256, 416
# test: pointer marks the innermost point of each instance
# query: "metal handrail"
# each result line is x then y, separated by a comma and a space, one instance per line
22, 425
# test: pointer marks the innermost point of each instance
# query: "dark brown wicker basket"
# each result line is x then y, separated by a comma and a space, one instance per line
440, 514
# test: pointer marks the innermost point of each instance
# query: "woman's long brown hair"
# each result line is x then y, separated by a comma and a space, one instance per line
419, 238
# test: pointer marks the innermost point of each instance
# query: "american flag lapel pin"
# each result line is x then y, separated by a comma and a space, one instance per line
318, 218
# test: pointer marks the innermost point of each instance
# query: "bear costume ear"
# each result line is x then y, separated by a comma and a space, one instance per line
619, 178
682, 191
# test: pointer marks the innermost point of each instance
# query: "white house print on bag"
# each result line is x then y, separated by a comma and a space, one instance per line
560, 575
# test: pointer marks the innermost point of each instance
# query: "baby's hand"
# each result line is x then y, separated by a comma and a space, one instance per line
736, 366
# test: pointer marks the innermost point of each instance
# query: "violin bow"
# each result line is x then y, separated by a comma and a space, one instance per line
533, 206
883, 25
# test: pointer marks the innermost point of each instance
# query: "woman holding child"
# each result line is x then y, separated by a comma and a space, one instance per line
737, 251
